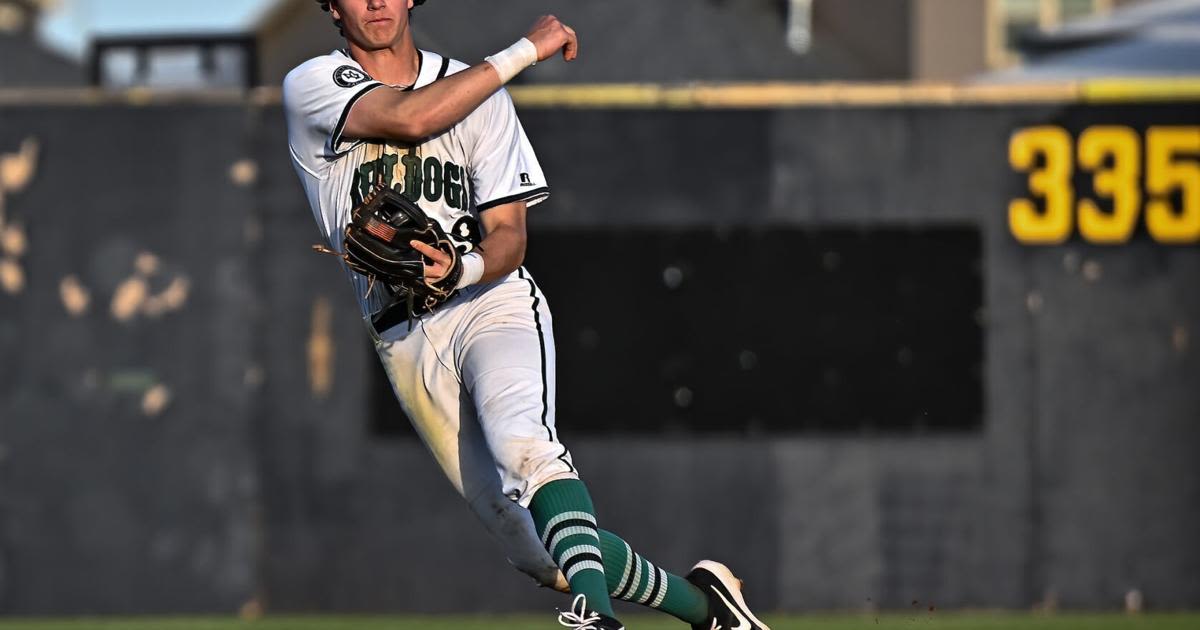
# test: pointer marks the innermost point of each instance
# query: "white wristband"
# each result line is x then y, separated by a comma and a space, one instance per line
472, 270
512, 60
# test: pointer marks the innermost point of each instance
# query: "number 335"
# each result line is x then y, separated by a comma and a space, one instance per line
1113, 155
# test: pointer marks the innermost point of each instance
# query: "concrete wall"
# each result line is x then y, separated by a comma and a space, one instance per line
128, 480
167, 448
949, 39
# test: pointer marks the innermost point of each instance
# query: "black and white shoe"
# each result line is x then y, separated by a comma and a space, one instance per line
726, 608
580, 618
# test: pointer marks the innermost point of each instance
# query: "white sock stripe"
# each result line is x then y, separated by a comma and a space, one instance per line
637, 577
576, 550
662, 590
625, 573
565, 516
586, 564
649, 583
571, 531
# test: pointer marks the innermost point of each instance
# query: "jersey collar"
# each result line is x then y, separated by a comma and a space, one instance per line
428, 65
427, 68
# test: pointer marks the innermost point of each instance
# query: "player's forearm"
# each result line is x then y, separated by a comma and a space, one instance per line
503, 250
441, 104
413, 116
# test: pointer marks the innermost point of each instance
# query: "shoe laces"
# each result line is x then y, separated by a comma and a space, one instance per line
579, 617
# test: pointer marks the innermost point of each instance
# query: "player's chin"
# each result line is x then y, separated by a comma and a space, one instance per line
378, 37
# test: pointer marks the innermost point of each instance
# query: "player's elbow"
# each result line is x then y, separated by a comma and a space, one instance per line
519, 257
414, 121
391, 128
516, 256
386, 113
516, 250
407, 130
506, 239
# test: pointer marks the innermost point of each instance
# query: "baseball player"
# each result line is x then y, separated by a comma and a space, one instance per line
473, 368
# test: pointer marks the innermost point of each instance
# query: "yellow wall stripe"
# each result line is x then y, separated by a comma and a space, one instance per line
1135, 90
775, 95
761, 95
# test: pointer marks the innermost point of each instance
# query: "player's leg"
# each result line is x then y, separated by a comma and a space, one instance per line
444, 417
632, 578
506, 358
508, 366
709, 597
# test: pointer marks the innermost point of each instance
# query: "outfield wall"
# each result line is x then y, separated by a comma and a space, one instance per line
189, 409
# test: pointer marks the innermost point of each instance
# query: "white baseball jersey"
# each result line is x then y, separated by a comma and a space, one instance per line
495, 340
483, 161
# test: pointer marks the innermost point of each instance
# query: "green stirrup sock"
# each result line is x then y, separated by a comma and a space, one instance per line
633, 579
566, 522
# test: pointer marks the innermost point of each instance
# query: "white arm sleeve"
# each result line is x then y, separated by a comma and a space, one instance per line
504, 167
317, 97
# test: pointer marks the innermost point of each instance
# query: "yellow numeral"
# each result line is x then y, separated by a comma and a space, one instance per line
1164, 175
1052, 182
1120, 182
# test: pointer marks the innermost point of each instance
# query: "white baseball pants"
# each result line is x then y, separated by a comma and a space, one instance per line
476, 378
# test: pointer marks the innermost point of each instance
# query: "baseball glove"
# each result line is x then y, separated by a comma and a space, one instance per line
376, 245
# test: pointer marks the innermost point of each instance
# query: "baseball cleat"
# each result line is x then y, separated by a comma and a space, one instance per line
580, 618
727, 610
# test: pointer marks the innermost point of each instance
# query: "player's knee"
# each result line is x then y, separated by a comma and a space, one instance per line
536, 467
545, 574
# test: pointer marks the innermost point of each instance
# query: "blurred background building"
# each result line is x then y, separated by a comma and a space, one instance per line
953, 386
1147, 39
724, 40
27, 61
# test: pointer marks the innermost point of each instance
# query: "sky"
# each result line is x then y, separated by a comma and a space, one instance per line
70, 24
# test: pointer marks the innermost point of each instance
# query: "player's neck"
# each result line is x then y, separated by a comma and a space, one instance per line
397, 65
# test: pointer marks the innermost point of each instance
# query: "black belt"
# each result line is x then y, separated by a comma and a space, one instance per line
397, 313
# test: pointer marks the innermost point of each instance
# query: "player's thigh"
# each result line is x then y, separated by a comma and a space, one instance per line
508, 368
506, 355
442, 414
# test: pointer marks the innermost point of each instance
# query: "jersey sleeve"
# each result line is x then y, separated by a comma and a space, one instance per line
317, 97
504, 167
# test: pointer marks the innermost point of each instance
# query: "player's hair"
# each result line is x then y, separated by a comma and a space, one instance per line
325, 3
338, 23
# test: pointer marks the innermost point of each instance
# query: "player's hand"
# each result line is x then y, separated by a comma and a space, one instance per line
550, 36
441, 261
